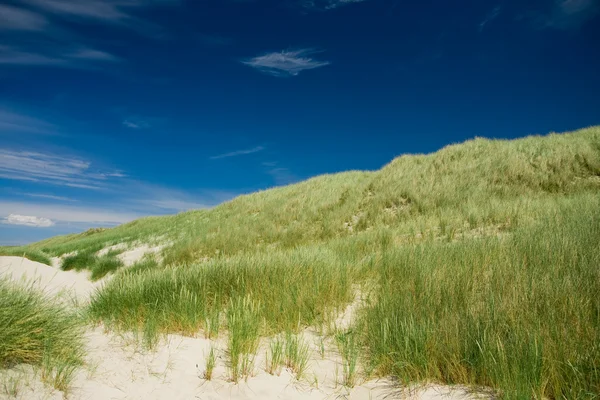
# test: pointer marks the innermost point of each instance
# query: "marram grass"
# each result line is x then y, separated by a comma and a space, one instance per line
39, 331
477, 187
520, 314
294, 288
480, 263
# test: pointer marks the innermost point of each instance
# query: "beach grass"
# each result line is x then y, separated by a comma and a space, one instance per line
519, 313
37, 330
25, 252
480, 263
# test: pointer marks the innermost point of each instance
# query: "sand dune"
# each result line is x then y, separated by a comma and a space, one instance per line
50, 280
117, 368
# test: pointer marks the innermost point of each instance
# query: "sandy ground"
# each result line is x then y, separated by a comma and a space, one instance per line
50, 280
118, 368
130, 257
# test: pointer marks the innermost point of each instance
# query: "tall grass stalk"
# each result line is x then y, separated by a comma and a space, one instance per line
243, 322
275, 356
211, 362
297, 354
348, 345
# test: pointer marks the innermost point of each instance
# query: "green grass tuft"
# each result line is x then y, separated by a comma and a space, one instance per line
79, 261
349, 346
243, 322
297, 355
211, 362
104, 265
293, 287
28, 253
275, 356
36, 330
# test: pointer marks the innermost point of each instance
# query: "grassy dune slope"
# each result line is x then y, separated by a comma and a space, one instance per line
480, 262
489, 184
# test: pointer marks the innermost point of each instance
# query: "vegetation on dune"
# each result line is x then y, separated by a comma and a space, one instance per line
88, 259
294, 289
480, 263
520, 313
37, 330
480, 185
22, 251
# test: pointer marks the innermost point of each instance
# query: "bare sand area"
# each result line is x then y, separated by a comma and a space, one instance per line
117, 367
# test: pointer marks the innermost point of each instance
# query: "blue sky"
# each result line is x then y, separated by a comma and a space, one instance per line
112, 110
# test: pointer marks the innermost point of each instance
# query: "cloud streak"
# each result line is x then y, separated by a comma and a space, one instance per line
286, 63
13, 122
325, 5
563, 15
28, 220
111, 11
63, 213
280, 175
489, 18
47, 38
49, 197
52, 169
14, 18
568, 14
81, 57
238, 153
136, 123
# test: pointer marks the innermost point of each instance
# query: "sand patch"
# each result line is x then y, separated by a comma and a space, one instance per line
50, 280
116, 247
130, 257
118, 369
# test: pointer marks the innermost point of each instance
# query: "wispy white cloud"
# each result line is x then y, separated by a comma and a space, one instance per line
326, 4
91, 54
14, 18
80, 57
49, 197
93, 9
154, 199
51, 40
102, 10
286, 63
27, 220
573, 13
169, 205
280, 175
51, 168
135, 199
238, 153
492, 15
18, 123
119, 13
136, 123
66, 213
563, 14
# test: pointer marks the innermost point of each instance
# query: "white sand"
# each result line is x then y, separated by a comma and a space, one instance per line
130, 257
104, 251
49, 279
116, 368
